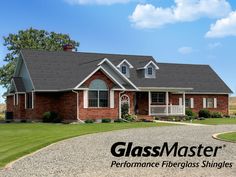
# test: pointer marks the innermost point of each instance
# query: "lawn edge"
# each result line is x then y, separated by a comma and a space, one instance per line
9, 165
215, 136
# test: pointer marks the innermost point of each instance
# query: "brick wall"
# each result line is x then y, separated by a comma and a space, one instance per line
222, 102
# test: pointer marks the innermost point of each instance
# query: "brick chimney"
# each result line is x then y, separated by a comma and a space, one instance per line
68, 47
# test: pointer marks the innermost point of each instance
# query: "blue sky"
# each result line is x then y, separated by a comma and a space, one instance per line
175, 31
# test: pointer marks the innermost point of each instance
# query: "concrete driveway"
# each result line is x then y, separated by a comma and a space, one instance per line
90, 155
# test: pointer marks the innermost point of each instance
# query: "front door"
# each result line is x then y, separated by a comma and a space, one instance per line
141, 107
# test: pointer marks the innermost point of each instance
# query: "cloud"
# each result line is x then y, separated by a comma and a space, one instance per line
99, 2
223, 27
214, 45
149, 16
185, 50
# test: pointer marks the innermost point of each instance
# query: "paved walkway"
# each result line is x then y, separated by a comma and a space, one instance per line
90, 155
180, 123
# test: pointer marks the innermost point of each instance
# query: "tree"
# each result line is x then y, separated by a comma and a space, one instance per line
30, 39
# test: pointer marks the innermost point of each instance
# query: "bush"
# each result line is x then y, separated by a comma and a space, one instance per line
130, 117
23, 121
204, 113
51, 117
157, 118
119, 121
89, 121
106, 120
124, 109
216, 115
189, 112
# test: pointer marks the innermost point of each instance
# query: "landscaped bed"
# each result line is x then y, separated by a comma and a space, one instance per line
214, 121
19, 139
231, 136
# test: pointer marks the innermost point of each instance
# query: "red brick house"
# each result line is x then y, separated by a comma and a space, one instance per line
81, 86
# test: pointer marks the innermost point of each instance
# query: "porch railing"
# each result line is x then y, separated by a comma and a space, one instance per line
162, 110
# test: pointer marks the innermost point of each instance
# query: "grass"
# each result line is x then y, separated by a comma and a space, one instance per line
215, 121
19, 139
228, 136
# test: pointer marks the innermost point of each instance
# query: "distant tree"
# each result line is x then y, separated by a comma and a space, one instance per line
30, 39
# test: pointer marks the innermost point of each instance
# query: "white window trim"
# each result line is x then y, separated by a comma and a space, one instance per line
32, 100
125, 70
118, 71
215, 103
92, 73
191, 102
125, 61
98, 90
112, 99
150, 62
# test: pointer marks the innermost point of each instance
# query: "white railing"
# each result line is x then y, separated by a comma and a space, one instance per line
162, 110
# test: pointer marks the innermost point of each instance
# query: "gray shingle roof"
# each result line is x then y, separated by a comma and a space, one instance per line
19, 84
64, 70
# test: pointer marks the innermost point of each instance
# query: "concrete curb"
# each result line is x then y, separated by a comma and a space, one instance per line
214, 136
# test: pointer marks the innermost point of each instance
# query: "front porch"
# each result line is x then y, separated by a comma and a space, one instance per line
154, 103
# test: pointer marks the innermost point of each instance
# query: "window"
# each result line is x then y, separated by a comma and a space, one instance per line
29, 101
124, 69
149, 70
210, 103
15, 99
98, 94
187, 103
158, 98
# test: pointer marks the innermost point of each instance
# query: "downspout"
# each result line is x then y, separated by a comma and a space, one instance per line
77, 106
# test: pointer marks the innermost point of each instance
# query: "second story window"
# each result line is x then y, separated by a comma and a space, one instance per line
150, 71
124, 70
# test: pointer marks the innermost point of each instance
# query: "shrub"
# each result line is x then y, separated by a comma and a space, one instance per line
189, 112
130, 117
216, 115
204, 113
51, 117
119, 121
89, 121
157, 118
124, 109
106, 120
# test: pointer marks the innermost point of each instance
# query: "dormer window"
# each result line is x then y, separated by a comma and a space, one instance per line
149, 71
124, 69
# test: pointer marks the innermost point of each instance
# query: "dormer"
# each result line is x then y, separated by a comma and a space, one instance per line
149, 70
125, 67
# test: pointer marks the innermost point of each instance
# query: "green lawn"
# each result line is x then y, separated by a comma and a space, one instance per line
228, 136
20, 139
215, 121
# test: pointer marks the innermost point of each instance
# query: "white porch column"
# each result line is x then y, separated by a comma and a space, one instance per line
149, 103
167, 103
184, 103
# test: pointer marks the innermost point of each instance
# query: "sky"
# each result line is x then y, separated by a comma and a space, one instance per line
173, 31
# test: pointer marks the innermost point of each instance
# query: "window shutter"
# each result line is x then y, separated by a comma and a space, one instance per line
204, 102
215, 102
180, 101
85, 98
14, 99
112, 99
191, 102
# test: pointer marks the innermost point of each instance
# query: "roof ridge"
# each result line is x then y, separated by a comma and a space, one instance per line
99, 53
194, 64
